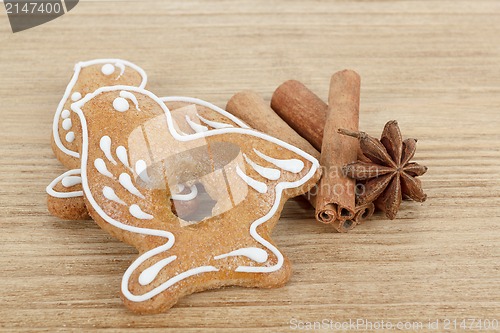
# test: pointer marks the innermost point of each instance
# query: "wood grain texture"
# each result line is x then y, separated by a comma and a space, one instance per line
433, 66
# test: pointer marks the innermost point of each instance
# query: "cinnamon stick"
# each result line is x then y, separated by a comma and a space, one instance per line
336, 192
302, 109
364, 212
253, 110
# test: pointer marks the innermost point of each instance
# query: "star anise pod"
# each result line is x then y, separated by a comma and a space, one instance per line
387, 174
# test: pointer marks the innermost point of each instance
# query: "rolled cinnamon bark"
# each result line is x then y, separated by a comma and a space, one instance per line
302, 109
304, 112
364, 212
336, 192
253, 110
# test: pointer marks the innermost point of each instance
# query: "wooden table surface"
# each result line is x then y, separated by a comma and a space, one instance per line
433, 66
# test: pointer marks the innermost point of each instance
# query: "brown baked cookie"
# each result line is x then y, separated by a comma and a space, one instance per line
190, 186
87, 77
67, 201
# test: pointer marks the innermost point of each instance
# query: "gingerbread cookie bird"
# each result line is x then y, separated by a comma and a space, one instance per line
143, 158
87, 77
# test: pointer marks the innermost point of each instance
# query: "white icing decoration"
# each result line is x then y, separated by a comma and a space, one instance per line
255, 184
122, 69
165, 285
65, 114
293, 165
120, 104
149, 274
253, 253
70, 136
53, 193
66, 124
76, 96
214, 124
141, 170
244, 130
186, 197
107, 69
105, 145
110, 194
69, 181
213, 107
268, 173
127, 183
69, 88
196, 127
100, 165
121, 152
144, 231
129, 95
57, 139
137, 212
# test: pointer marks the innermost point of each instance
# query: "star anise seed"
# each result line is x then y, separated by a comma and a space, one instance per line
415, 169
389, 176
371, 148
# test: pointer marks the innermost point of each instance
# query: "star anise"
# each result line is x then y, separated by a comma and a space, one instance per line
386, 175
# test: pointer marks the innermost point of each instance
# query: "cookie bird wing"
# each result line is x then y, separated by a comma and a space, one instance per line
276, 162
87, 77
65, 196
187, 120
138, 155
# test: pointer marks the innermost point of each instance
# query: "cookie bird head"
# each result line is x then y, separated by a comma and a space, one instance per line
144, 159
88, 76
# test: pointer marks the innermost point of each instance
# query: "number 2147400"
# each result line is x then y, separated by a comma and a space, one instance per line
33, 8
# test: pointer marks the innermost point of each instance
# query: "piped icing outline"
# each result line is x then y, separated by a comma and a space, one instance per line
209, 105
73, 194
245, 130
67, 94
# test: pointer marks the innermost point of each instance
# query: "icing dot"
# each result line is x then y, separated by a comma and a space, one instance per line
120, 104
100, 165
110, 194
67, 124
253, 253
107, 69
65, 114
70, 136
76, 96
69, 181
121, 152
137, 212
149, 274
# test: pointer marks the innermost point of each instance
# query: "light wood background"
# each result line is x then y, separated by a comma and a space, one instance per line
433, 66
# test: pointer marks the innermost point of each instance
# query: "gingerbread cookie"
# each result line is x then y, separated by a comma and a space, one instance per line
87, 77
190, 186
